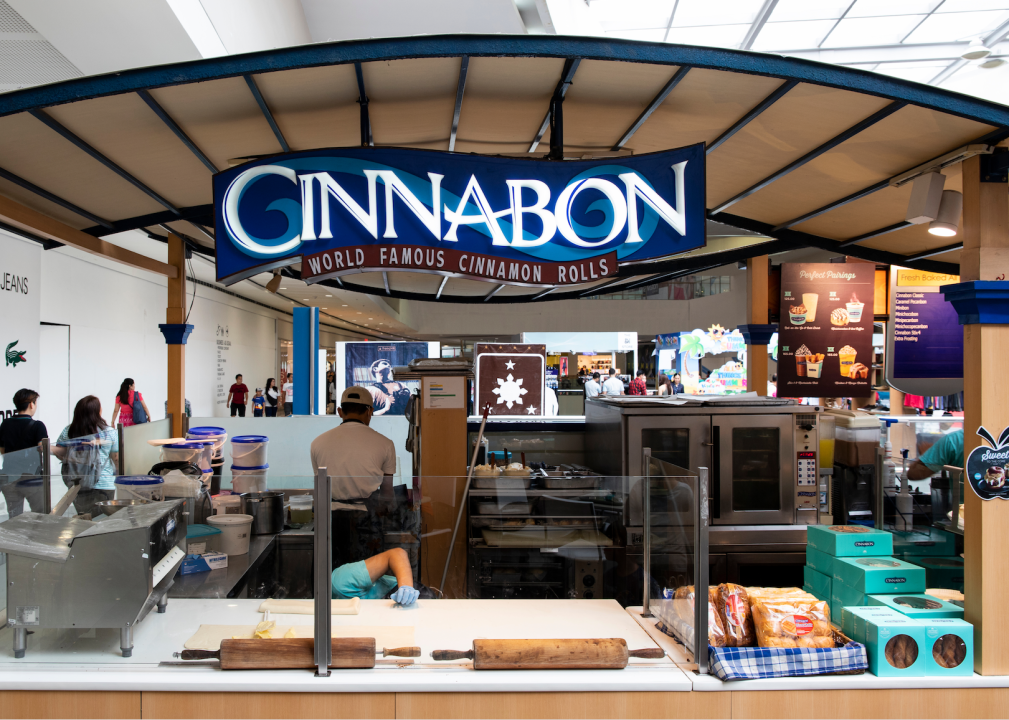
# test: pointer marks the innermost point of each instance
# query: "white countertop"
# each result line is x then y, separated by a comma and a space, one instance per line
90, 660
865, 681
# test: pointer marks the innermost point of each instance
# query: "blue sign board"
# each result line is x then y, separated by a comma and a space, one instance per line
927, 337
517, 221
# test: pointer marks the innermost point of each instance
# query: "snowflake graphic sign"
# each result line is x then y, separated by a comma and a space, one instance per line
510, 378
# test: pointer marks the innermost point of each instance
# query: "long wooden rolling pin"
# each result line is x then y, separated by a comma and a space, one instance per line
294, 653
583, 654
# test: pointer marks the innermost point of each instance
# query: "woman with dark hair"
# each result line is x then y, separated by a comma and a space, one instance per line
91, 463
272, 397
665, 387
124, 404
677, 385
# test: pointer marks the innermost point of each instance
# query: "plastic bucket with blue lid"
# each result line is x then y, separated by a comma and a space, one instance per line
249, 450
189, 451
140, 487
249, 479
209, 432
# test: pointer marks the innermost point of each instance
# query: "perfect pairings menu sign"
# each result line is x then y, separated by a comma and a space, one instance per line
825, 333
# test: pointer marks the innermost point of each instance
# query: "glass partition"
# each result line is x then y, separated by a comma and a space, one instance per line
139, 456
143, 576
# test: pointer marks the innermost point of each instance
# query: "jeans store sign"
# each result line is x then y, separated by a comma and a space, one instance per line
505, 220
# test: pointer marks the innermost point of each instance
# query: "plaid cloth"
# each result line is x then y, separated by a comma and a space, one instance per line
751, 663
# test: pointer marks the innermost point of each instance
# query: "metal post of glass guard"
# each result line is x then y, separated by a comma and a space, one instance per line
323, 569
47, 489
121, 464
646, 532
701, 522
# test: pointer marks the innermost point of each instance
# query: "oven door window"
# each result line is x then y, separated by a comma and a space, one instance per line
671, 445
756, 472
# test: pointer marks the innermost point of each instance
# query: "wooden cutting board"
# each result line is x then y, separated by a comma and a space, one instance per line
209, 637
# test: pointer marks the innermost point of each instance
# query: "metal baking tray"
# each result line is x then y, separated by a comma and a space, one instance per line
502, 482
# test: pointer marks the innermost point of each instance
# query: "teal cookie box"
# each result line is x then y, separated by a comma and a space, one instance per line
941, 572
817, 582
853, 619
930, 543
841, 597
937, 629
917, 605
879, 575
849, 540
880, 631
820, 561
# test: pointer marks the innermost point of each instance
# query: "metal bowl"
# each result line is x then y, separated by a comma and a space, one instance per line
109, 507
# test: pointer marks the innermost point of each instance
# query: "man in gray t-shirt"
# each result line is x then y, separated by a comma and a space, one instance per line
361, 463
613, 384
592, 387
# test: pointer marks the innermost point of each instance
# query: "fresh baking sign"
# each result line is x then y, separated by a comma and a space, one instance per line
512, 221
987, 466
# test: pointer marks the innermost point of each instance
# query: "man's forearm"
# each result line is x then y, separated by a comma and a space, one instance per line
399, 563
919, 471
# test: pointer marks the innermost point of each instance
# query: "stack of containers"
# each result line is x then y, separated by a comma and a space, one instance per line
829, 547
249, 464
189, 451
218, 436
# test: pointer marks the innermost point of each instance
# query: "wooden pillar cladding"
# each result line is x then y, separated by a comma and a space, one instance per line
176, 315
756, 313
985, 228
443, 461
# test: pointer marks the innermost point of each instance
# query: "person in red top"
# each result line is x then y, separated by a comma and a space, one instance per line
638, 386
123, 411
238, 396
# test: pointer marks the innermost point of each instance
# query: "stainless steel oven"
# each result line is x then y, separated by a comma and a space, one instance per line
762, 452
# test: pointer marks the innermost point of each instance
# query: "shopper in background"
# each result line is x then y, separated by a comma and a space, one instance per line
95, 471
593, 387
613, 385
678, 385
331, 393
238, 396
289, 395
272, 396
638, 385
18, 435
258, 403
772, 386
126, 406
664, 387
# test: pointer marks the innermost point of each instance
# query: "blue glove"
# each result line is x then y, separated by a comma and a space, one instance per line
405, 596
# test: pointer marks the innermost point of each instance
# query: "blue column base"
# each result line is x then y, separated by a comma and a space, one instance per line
175, 334
757, 334
981, 302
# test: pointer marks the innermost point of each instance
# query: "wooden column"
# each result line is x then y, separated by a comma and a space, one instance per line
985, 256
756, 313
176, 315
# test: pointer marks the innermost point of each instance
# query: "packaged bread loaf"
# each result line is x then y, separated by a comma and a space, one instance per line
683, 604
790, 617
733, 605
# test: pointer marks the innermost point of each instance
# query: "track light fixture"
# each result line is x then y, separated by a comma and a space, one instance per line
947, 220
274, 283
976, 50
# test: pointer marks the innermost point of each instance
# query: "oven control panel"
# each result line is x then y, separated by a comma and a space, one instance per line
807, 469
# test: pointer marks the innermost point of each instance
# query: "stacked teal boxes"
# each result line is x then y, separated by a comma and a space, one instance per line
827, 547
950, 648
896, 646
853, 619
917, 605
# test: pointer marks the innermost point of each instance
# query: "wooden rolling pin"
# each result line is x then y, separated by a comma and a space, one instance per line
587, 654
294, 653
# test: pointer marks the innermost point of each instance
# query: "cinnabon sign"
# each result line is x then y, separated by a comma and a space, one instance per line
446, 261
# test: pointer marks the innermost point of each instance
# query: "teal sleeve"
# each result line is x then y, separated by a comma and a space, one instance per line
947, 451
352, 580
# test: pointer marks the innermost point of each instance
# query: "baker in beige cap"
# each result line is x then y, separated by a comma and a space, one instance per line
361, 463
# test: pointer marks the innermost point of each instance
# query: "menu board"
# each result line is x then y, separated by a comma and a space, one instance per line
825, 333
927, 336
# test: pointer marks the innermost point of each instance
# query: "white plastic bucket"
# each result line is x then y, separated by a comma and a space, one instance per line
191, 452
252, 479
236, 531
140, 487
216, 434
249, 450
226, 504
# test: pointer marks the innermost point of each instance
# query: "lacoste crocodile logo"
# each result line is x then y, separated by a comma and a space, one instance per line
15, 356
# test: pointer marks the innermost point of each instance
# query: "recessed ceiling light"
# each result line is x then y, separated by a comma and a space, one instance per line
283, 288
329, 296
343, 306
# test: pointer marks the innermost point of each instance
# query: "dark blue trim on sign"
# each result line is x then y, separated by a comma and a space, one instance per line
558, 46
757, 334
175, 334
982, 302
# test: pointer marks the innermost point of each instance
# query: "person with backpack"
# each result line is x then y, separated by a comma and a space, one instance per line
130, 406
89, 450
18, 435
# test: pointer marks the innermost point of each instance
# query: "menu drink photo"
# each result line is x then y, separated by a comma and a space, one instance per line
825, 337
